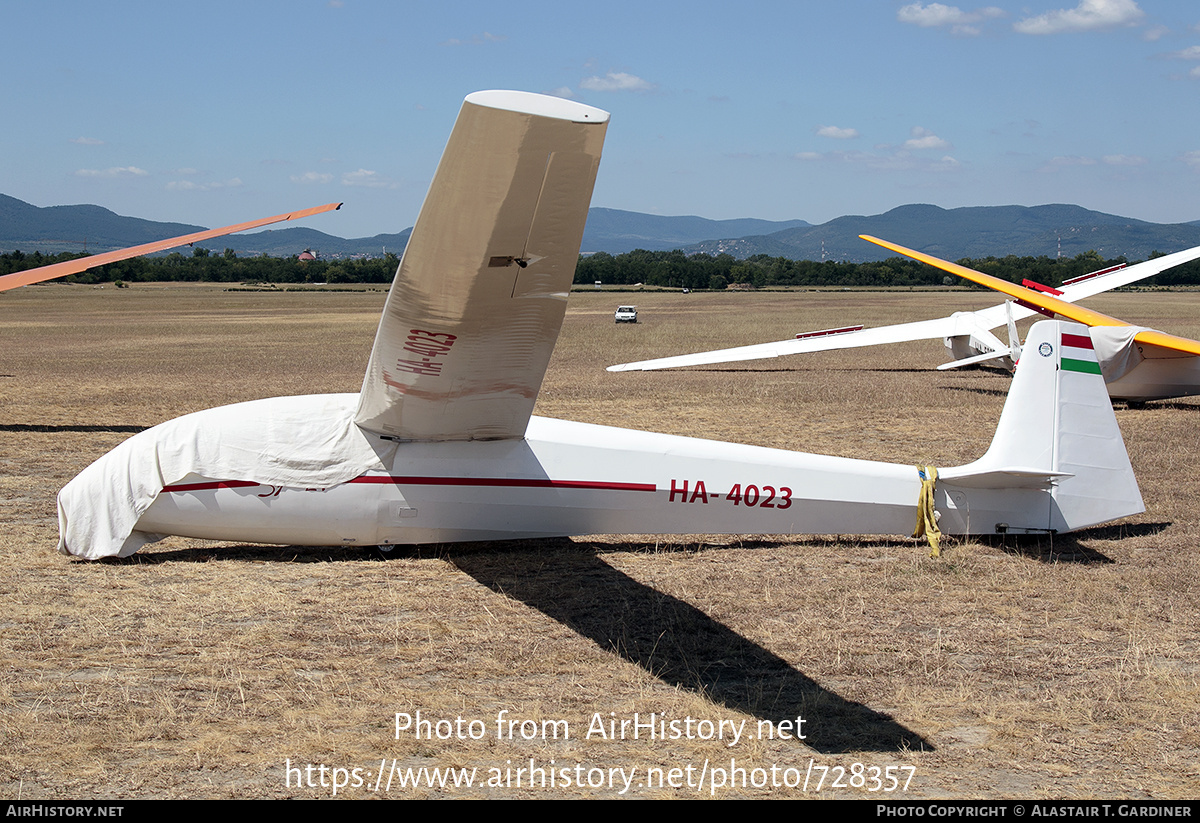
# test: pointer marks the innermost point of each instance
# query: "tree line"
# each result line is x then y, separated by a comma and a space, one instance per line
667, 269
203, 266
700, 271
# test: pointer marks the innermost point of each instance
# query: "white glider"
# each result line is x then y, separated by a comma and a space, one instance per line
968, 335
1138, 364
441, 446
82, 264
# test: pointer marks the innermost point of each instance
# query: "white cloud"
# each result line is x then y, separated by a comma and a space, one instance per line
1124, 160
116, 171
367, 179
1087, 16
615, 81
1155, 33
562, 91
937, 15
933, 15
1192, 158
885, 161
476, 39
837, 133
188, 185
925, 139
312, 177
1065, 161
1191, 54
87, 141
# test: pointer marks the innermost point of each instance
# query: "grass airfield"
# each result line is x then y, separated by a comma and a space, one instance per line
1064, 668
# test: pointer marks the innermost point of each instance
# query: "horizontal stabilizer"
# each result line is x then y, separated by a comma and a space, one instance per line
971, 361
1007, 477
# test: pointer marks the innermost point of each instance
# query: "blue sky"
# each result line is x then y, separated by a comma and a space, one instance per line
218, 112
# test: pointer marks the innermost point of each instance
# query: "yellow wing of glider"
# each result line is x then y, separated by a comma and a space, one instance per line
1040, 300
24, 278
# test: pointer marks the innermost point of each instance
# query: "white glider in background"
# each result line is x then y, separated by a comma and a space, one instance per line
1138, 363
82, 264
968, 335
441, 445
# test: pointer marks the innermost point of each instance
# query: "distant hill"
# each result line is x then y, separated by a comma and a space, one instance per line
290, 241
616, 231
976, 232
55, 229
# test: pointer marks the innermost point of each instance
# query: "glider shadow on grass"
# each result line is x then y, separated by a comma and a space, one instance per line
681, 645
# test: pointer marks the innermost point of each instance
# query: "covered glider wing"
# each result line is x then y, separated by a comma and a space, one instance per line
479, 297
38, 275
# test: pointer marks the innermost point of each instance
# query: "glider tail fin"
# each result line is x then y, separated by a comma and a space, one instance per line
1057, 431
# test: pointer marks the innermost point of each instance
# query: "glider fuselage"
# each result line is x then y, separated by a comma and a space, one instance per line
440, 445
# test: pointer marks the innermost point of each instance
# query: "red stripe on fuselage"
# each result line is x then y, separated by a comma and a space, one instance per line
518, 482
511, 482
213, 484
1078, 341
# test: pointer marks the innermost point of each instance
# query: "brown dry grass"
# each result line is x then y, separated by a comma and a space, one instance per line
1065, 668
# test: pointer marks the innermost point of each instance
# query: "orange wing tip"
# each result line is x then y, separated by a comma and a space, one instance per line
82, 264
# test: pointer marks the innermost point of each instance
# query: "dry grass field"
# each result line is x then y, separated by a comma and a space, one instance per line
1064, 668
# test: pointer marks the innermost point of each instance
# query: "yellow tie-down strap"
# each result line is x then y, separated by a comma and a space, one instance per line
927, 526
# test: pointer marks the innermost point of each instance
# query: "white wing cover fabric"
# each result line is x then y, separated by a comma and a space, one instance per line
298, 442
1116, 350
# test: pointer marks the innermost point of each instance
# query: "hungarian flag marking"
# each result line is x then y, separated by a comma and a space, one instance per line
1078, 354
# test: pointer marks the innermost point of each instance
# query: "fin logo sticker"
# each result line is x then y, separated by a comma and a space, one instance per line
1045, 350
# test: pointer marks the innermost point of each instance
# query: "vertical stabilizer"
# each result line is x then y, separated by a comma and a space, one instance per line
1089, 444
1058, 433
